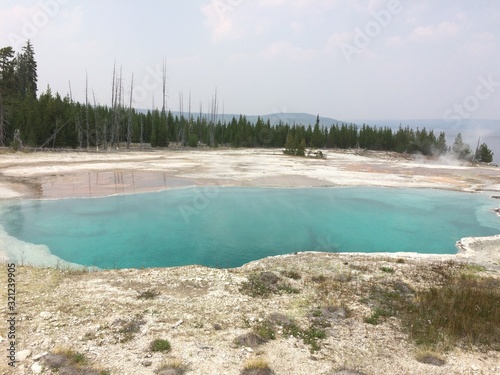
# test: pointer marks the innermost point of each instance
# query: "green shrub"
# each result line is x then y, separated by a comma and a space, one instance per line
309, 336
265, 330
387, 269
265, 284
160, 345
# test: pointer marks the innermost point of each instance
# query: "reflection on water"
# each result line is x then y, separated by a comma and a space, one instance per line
96, 184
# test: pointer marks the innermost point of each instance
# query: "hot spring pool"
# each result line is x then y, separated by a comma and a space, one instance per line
228, 227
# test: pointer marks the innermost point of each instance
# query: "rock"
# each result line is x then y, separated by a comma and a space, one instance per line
177, 324
147, 363
46, 343
38, 356
23, 354
36, 368
45, 315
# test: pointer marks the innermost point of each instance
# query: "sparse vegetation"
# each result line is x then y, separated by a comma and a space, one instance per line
465, 311
148, 294
69, 362
265, 330
310, 336
387, 269
250, 340
171, 367
439, 305
291, 274
265, 284
387, 299
257, 366
127, 329
160, 345
430, 358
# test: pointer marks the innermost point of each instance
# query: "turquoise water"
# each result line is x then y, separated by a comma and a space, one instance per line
228, 227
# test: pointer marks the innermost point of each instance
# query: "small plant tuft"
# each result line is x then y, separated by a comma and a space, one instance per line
265, 330
148, 294
160, 345
387, 269
257, 366
265, 284
294, 275
309, 336
171, 367
430, 358
250, 340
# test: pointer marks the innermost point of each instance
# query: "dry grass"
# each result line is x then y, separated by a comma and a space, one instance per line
171, 367
257, 366
463, 311
67, 361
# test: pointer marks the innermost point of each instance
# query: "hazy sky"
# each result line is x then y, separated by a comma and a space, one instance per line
346, 59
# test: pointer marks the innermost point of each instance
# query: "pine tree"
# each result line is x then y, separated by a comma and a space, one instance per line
460, 149
7, 88
484, 154
441, 147
26, 72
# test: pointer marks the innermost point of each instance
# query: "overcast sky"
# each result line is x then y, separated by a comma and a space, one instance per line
345, 59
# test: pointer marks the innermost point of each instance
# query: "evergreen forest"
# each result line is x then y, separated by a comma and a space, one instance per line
50, 121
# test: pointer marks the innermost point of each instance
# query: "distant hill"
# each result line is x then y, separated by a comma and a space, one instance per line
274, 118
487, 131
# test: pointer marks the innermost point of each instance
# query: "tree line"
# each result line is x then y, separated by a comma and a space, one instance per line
52, 121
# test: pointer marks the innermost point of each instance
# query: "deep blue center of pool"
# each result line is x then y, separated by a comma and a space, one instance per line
228, 227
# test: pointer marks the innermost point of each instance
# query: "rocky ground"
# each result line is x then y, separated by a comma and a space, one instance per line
111, 317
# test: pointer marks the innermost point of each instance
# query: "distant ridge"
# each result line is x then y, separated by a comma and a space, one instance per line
274, 118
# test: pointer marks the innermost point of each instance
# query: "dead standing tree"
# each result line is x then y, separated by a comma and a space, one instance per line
116, 104
129, 124
213, 119
3, 122
181, 134
164, 120
87, 126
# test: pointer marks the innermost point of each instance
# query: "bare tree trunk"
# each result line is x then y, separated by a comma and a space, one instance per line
142, 129
3, 122
87, 107
129, 126
113, 109
189, 124
79, 130
182, 119
200, 121
119, 106
164, 99
213, 119
96, 124
70, 92
223, 122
